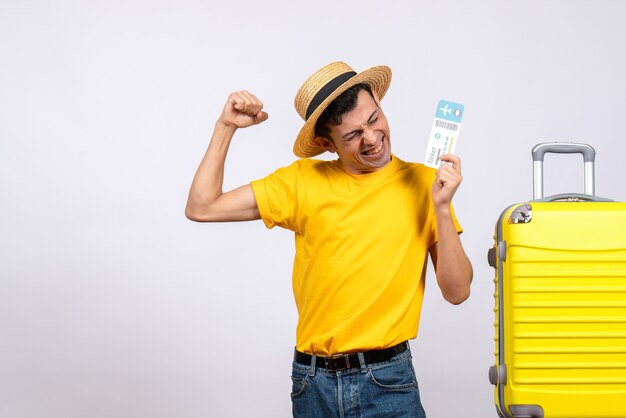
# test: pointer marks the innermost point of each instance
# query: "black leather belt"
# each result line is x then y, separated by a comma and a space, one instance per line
348, 361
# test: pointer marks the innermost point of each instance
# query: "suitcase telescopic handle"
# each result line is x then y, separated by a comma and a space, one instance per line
539, 152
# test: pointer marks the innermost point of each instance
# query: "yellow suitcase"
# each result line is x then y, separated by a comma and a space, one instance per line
560, 302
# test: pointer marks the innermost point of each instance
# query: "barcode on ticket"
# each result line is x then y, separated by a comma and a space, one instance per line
446, 125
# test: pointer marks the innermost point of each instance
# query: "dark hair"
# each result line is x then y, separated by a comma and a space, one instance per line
343, 104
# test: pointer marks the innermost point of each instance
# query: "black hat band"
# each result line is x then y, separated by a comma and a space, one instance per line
327, 90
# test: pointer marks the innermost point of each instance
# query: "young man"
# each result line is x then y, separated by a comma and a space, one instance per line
363, 226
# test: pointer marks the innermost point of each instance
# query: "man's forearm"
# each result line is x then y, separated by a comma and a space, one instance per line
209, 178
453, 269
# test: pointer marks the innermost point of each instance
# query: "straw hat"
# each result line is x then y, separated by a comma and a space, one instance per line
324, 86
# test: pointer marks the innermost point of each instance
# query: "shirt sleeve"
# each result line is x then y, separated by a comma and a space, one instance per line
276, 197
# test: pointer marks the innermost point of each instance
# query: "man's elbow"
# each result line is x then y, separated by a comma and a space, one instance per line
191, 215
458, 291
194, 214
458, 296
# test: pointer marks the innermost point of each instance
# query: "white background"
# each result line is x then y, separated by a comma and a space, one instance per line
112, 304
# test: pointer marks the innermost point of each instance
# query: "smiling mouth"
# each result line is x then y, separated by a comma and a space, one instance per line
373, 151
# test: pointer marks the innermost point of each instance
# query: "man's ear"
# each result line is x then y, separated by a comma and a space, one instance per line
325, 143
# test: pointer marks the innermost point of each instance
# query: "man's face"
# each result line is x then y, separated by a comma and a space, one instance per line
361, 140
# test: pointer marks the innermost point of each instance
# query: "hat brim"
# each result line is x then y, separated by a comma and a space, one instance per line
378, 78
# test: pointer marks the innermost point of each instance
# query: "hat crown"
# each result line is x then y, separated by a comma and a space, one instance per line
312, 86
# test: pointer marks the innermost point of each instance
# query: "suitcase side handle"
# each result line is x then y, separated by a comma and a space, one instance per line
539, 152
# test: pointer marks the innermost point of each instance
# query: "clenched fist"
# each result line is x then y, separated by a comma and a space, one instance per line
242, 109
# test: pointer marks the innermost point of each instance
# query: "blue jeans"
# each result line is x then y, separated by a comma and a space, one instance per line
386, 389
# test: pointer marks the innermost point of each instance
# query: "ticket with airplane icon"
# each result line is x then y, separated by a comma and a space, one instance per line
444, 133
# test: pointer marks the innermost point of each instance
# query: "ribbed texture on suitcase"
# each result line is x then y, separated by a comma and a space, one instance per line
569, 319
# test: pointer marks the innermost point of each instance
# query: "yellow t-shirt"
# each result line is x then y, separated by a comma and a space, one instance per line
361, 250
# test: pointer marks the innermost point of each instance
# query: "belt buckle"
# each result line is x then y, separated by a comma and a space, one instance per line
341, 366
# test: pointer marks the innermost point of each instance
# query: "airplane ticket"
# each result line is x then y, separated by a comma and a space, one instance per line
444, 133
